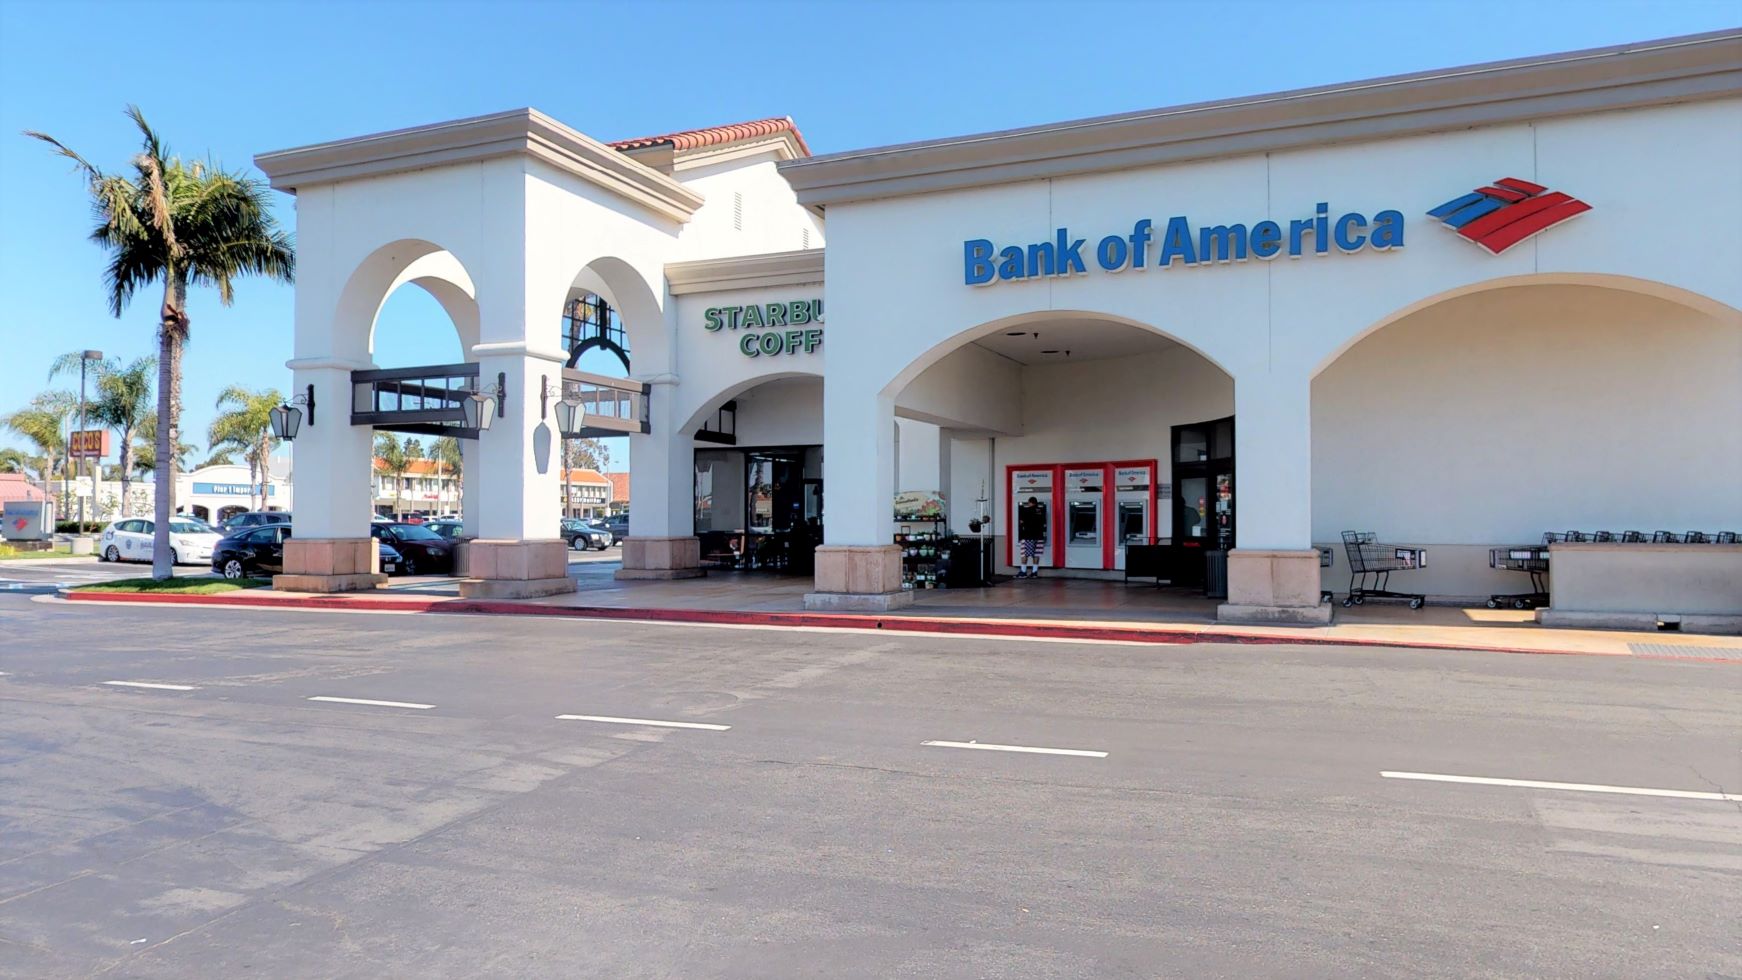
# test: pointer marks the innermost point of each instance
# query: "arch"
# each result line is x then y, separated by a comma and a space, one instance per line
637, 304
958, 340
431, 267
714, 403
1631, 284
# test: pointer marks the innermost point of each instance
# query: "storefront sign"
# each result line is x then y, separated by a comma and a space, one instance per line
763, 325
88, 444
230, 489
984, 262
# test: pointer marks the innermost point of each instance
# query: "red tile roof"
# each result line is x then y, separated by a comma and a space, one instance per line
578, 475
15, 486
619, 486
691, 139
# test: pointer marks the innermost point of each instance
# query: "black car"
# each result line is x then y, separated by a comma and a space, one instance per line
447, 528
253, 518
582, 535
423, 551
260, 551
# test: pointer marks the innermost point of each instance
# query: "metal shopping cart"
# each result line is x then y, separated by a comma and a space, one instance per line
1371, 565
1524, 558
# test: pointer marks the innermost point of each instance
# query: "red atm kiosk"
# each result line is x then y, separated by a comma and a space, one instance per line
1093, 510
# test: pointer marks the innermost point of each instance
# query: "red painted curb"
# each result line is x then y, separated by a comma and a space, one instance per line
894, 624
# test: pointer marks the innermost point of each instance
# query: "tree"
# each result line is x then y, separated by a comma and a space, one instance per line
244, 424
179, 224
123, 401
44, 422
18, 461
220, 458
445, 451
145, 447
590, 454
394, 463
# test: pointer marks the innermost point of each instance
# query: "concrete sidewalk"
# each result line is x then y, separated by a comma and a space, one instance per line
1047, 608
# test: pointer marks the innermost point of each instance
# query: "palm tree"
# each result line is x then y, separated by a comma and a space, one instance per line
145, 447
178, 223
220, 458
393, 461
247, 428
446, 453
123, 402
44, 422
18, 461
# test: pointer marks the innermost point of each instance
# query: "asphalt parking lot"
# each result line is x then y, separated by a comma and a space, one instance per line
207, 792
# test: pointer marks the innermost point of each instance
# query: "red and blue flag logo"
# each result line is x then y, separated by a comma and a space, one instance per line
1507, 212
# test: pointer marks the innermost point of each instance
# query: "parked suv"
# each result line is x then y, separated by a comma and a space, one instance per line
617, 524
254, 518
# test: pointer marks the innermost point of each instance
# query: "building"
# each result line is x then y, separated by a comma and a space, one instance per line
426, 487
619, 492
210, 493
429, 487
588, 493
1457, 309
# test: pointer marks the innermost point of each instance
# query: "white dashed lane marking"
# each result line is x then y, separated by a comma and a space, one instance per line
151, 686
375, 704
647, 722
1676, 794
1032, 749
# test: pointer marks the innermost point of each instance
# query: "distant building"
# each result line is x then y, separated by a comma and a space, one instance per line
589, 493
619, 491
210, 493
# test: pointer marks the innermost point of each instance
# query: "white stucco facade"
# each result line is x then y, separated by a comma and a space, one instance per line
1383, 371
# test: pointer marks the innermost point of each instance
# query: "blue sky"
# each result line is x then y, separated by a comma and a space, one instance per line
254, 76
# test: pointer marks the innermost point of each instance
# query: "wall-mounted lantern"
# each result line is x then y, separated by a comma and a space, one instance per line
286, 419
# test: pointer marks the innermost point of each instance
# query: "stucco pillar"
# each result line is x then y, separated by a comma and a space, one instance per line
858, 567
1273, 573
517, 480
661, 542
330, 549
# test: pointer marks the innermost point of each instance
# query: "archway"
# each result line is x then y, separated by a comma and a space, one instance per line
610, 323
1490, 415
757, 473
1087, 415
422, 314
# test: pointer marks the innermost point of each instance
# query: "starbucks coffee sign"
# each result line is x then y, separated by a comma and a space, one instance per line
770, 329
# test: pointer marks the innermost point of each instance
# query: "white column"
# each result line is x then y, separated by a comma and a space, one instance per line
1273, 450
661, 476
858, 463
1273, 573
469, 502
332, 456
518, 471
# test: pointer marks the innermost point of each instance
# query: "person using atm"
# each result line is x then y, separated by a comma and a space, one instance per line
1030, 535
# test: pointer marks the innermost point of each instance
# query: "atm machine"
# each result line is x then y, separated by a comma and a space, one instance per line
1085, 500
1036, 483
1131, 514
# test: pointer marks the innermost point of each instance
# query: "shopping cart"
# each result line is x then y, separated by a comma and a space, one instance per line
1524, 558
1371, 565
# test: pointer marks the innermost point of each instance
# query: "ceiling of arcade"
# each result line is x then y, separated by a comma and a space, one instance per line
1072, 340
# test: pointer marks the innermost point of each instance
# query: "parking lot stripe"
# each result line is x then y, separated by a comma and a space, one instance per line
607, 719
377, 704
150, 686
1035, 749
1678, 794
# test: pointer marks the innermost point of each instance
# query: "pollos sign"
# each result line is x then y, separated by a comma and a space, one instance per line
1178, 244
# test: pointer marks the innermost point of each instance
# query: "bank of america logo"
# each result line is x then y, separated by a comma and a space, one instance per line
1507, 212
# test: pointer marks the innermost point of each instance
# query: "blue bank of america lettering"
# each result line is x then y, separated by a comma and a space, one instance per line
984, 262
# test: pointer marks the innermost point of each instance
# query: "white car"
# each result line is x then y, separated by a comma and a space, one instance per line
190, 541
